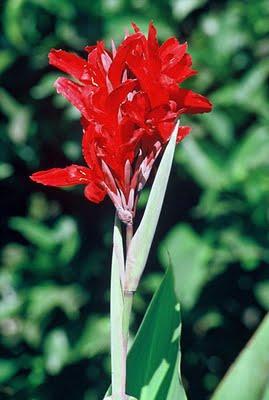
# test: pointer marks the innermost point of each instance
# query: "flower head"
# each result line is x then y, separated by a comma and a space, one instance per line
129, 99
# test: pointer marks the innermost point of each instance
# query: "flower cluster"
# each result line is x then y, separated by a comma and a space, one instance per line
129, 99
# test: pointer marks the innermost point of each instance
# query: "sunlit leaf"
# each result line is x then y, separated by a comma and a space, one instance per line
182, 8
189, 255
142, 239
95, 338
36, 232
6, 170
156, 348
46, 297
203, 168
56, 348
261, 292
8, 368
248, 377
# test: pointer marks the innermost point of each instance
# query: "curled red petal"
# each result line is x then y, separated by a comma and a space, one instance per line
149, 82
171, 52
90, 150
191, 102
136, 108
72, 175
119, 62
70, 63
94, 192
183, 131
119, 95
75, 94
181, 70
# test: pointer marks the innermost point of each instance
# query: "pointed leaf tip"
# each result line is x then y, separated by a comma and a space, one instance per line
142, 240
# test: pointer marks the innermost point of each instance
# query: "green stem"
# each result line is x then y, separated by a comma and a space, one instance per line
129, 235
120, 312
116, 314
127, 309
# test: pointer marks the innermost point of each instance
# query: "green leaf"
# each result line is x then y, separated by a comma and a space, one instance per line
66, 233
8, 368
241, 248
63, 234
242, 162
56, 351
19, 126
261, 292
220, 127
266, 393
156, 348
189, 256
44, 298
13, 23
6, 170
204, 169
127, 398
34, 231
44, 87
95, 337
8, 105
7, 57
62, 8
115, 26
182, 8
248, 377
11, 301
143, 237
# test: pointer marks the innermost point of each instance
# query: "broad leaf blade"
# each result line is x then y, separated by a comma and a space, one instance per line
141, 242
189, 255
154, 359
266, 393
248, 377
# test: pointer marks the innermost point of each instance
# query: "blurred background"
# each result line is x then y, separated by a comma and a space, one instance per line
56, 246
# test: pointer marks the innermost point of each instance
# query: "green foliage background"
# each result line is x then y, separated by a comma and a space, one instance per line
56, 247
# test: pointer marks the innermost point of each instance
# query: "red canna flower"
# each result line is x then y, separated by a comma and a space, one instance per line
129, 99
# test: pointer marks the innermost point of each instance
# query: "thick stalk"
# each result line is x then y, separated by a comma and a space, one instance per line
120, 312
127, 309
129, 235
116, 316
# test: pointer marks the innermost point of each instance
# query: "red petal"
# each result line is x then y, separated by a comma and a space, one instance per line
135, 27
171, 52
119, 62
75, 94
152, 38
118, 95
89, 49
94, 193
89, 149
165, 128
136, 108
96, 66
191, 102
149, 82
70, 63
181, 70
72, 175
183, 131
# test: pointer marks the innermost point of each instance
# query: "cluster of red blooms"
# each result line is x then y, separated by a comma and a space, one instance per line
129, 99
